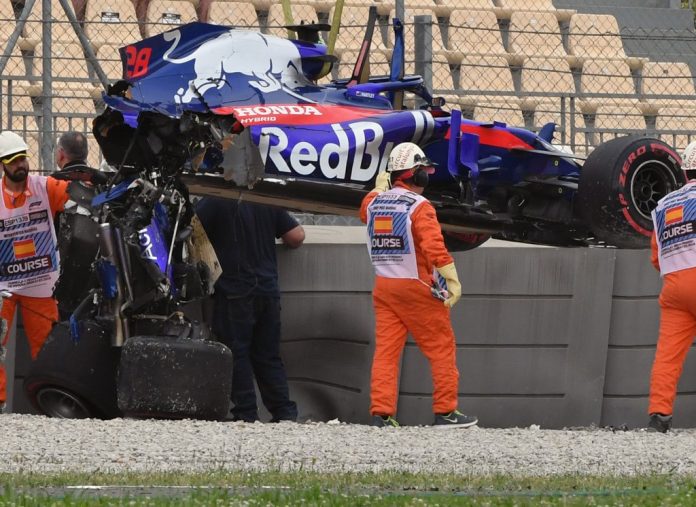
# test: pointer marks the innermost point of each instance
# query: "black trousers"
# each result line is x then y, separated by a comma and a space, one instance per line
250, 326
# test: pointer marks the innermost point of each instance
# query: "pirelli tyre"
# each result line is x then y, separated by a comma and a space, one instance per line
620, 184
174, 378
75, 378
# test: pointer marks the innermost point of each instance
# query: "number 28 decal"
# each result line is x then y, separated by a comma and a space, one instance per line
138, 61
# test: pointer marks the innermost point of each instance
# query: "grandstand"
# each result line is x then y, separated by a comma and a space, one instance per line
597, 68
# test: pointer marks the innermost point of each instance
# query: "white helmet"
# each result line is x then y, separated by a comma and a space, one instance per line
10, 144
689, 157
407, 156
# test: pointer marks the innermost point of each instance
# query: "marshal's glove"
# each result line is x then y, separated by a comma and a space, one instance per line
454, 288
383, 182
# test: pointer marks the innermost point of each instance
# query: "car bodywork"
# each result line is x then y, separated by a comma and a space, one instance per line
233, 111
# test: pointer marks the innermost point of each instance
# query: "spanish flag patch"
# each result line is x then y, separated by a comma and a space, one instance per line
24, 249
383, 225
674, 215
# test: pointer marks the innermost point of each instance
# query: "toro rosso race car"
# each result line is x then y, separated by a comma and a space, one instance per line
230, 111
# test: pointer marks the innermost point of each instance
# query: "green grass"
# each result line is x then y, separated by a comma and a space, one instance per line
220, 488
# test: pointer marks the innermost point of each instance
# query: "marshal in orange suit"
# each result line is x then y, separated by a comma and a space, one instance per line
674, 255
408, 253
28, 254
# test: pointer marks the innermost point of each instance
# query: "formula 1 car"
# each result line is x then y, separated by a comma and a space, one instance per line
210, 110
233, 111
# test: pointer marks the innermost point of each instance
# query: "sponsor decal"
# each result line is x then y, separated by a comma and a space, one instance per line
677, 231
152, 246
24, 249
343, 143
332, 159
674, 215
243, 112
35, 204
26, 266
299, 114
268, 63
146, 245
387, 243
383, 224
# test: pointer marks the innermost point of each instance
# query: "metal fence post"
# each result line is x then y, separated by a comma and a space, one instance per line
47, 88
564, 124
572, 124
91, 57
423, 37
400, 10
15, 34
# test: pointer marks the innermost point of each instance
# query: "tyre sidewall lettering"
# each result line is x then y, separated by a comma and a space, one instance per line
657, 151
629, 162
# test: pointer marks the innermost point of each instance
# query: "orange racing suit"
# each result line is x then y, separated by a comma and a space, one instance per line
674, 255
405, 305
38, 313
677, 331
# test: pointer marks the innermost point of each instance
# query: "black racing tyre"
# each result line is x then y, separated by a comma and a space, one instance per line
53, 399
461, 242
620, 184
74, 379
166, 377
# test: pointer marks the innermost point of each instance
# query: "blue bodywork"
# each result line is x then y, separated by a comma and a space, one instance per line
202, 99
207, 68
152, 240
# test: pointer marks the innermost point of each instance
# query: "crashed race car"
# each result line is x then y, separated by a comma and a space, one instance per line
210, 110
232, 111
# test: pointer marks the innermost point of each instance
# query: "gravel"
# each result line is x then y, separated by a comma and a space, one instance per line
43, 445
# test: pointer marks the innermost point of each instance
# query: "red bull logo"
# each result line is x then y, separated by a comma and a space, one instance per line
233, 52
352, 149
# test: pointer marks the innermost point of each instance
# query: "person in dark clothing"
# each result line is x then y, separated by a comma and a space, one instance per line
71, 155
246, 315
72, 151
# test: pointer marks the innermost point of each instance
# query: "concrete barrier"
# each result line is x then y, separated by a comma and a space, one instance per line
550, 336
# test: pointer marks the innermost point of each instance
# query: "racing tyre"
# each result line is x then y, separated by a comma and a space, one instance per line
174, 378
620, 184
461, 242
74, 379
59, 401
